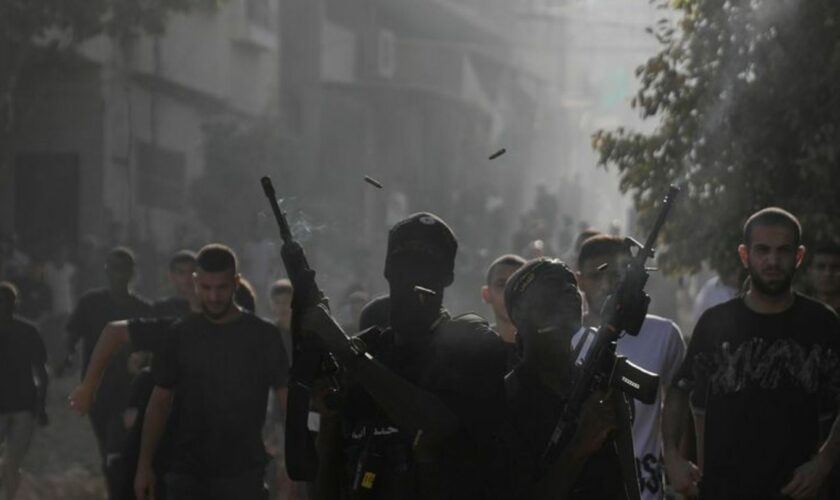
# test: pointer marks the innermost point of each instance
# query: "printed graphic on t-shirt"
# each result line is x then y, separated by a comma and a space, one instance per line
761, 364
649, 469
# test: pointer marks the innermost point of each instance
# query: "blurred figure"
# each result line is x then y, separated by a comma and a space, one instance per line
14, 261
535, 249
823, 282
22, 396
89, 257
355, 299
493, 294
35, 299
720, 288
180, 275
96, 309
245, 295
259, 255
377, 312
123, 463
280, 301
60, 273
546, 207
279, 484
824, 274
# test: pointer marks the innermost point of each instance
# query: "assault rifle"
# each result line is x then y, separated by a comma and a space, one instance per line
602, 369
309, 360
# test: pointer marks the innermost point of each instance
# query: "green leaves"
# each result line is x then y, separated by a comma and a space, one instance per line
749, 116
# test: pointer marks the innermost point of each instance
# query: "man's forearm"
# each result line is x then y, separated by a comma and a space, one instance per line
700, 433
674, 414
412, 408
114, 336
282, 396
154, 424
830, 450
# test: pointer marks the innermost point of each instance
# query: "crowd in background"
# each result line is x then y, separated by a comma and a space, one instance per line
49, 291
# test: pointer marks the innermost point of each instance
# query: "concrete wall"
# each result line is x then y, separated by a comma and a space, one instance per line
69, 118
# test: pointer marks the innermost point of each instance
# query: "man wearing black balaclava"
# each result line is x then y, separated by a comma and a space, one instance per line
543, 301
423, 394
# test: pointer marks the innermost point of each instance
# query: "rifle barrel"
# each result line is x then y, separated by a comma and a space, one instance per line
647, 251
268, 189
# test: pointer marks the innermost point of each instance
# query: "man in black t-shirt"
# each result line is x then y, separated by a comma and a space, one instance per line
96, 309
136, 335
424, 393
215, 369
544, 303
756, 372
22, 354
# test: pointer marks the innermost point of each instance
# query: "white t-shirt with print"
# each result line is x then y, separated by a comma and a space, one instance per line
658, 348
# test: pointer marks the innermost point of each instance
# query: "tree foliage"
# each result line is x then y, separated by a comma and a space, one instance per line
747, 108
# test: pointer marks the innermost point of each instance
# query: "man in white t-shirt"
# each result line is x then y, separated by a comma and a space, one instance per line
659, 348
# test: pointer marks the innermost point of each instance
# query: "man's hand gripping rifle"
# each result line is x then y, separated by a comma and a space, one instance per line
602, 369
309, 360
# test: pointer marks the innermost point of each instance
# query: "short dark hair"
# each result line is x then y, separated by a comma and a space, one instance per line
9, 288
773, 216
510, 259
585, 235
182, 257
215, 258
601, 245
281, 287
121, 253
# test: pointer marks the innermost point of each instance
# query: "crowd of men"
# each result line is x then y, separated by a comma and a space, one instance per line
187, 396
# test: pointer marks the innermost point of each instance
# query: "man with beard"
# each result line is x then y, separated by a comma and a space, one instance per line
215, 368
418, 415
756, 371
